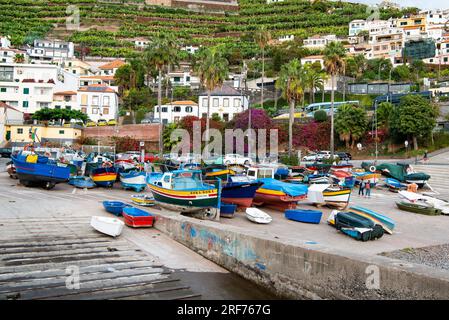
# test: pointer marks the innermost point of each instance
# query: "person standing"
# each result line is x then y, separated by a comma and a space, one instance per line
361, 188
426, 157
367, 189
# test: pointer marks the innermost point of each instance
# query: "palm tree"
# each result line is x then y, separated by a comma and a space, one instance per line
292, 82
19, 58
334, 61
212, 68
161, 52
262, 37
314, 81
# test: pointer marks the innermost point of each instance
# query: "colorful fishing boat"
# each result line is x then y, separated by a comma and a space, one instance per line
239, 190
318, 178
143, 200
184, 191
137, 218
372, 177
33, 169
104, 176
301, 215
341, 167
387, 223
402, 172
134, 180
332, 195
418, 208
273, 193
218, 171
343, 178
362, 234
115, 207
82, 182
394, 185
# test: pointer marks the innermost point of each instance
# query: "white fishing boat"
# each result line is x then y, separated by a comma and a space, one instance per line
424, 199
110, 226
257, 216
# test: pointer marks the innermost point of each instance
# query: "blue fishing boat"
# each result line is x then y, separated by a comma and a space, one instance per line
81, 182
104, 176
394, 185
307, 216
33, 169
134, 180
363, 234
239, 190
115, 207
227, 210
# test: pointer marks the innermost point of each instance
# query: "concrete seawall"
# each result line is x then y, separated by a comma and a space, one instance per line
308, 271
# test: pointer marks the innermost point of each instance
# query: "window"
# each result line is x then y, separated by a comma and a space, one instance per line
26, 90
106, 101
105, 110
19, 130
237, 103
215, 103
84, 110
205, 102
187, 79
226, 102
225, 117
157, 109
74, 71
25, 104
189, 109
164, 121
204, 115
164, 109
95, 101
57, 107
94, 110
68, 107
67, 98
176, 79
2, 89
61, 131
6, 73
177, 109
84, 100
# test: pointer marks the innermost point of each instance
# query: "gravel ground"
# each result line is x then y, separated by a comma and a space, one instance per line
434, 256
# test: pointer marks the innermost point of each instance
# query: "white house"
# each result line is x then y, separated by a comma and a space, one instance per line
319, 42
110, 68
175, 111
98, 102
225, 101
435, 16
5, 42
8, 116
356, 26
7, 55
313, 59
184, 78
65, 100
49, 50
288, 37
190, 49
141, 43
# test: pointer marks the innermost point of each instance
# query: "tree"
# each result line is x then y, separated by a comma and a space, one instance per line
19, 58
212, 69
161, 52
136, 99
262, 37
401, 73
314, 80
292, 82
384, 111
320, 116
415, 116
334, 60
350, 123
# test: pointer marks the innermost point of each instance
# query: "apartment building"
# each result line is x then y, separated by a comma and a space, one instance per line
387, 45
110, 68
98, 102
356, 26
319, 42
413, 21
50, 50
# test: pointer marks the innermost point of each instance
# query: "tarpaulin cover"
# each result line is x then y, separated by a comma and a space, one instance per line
290, 189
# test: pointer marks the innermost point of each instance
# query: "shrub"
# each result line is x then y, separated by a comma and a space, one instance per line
126, 143
320, 116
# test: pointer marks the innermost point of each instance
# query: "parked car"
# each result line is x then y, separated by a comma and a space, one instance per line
344, 156
5, 152
147, 121
91, 124
188, 158
310, 157
102, 122
112, 122
234, 158
321, 155
214, 159
151, 157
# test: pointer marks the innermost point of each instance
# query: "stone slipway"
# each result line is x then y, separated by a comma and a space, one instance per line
302, 269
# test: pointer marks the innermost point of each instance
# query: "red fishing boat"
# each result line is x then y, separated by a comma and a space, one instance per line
137, 218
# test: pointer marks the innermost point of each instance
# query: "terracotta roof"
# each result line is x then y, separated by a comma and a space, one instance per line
7, 106
185, 103
314, 57
65, 93
98, 77
112, 65
96, 88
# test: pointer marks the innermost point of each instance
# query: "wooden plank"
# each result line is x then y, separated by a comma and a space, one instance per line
62, 247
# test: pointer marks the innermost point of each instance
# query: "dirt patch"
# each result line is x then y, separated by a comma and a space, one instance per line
433, 256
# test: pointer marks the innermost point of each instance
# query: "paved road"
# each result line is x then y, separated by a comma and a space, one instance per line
43, 232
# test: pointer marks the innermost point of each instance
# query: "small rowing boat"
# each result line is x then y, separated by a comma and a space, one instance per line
137, 218
387, 223
257, 216
143, 200
307, 216
115, 207
227, 210
111, 226
418, 208
81, 182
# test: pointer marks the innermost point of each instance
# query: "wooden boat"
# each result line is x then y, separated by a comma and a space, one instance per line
33, 169
184, 191
239, 190
115, 207
227, 210
413, 197
343, 178
104, 176
307, 216
257, 216
143, 200
418, 208
110, 226
134, 180
137, 218
81, 182
362, 234
329, 195
394, 185
372, 177
342, 167
299, 178
318, 178
351, 220
218, 171
386, 223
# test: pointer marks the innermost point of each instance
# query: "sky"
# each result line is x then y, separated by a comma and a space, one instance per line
422, 4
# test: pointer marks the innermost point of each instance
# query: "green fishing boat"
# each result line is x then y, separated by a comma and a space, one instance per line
418, 208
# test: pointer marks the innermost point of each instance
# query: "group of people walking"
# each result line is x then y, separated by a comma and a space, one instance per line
365, 189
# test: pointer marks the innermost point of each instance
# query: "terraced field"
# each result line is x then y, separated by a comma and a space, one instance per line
107, 27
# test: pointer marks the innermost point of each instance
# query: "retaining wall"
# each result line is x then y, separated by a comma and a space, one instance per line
302, 272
